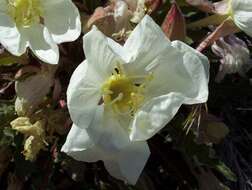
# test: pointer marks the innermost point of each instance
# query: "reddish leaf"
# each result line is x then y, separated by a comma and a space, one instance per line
174, 24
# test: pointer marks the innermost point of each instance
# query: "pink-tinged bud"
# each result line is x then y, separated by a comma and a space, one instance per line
220, 7
174, 24
103, 20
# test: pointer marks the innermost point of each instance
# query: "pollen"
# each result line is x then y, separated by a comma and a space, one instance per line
122, 93
25, 12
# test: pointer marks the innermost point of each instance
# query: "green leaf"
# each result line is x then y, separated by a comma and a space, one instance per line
7, 136
226, 171
8, 61
7, 114
181, 3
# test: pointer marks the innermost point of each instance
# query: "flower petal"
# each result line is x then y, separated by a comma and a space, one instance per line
243, 20
3, 6
10, 37
168, 74
83, 95
238, 5
64, 27
41, 43
129, 163
182, 70
186, 82
154, 115
80, 146
145, 37
197, 67
99, 54
242, 15
111, 135
123, 164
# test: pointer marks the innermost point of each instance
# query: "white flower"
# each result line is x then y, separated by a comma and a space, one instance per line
230, 16
241, 12
39, 25
121, 96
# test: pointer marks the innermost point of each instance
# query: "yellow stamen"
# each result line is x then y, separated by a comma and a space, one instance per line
120, 92
25, 12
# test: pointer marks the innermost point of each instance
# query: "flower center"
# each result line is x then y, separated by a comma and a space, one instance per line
122, 93
25, 12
